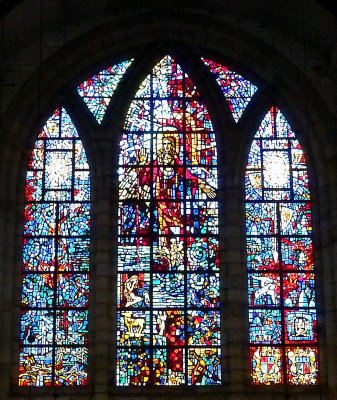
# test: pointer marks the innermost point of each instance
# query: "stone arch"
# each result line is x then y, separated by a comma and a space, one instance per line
320, 119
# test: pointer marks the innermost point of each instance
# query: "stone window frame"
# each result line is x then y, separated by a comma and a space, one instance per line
235, 345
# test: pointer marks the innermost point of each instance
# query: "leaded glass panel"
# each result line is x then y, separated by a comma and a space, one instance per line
168, 253
281, 278
237, 90
97, 91
55, 279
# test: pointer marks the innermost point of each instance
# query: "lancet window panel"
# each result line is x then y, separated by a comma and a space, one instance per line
168, 260
281, 274
55, 270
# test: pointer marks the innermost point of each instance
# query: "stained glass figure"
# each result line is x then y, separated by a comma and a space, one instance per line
237, 90
281, 278
55, 285
168, 254
98, 90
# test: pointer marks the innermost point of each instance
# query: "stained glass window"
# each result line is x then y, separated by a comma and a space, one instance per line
98, 90
281, 273
55, 284
237, 90
168, 264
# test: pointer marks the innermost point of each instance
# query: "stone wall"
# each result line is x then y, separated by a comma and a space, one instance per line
292, 61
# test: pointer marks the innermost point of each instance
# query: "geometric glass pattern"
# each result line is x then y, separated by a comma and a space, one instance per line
168, 319
281, 275
98, 90
55, 270
237, 90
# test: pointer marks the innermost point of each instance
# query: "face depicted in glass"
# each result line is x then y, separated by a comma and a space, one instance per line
300, 326
167, 154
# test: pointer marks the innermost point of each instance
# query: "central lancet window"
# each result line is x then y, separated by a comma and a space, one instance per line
168, 264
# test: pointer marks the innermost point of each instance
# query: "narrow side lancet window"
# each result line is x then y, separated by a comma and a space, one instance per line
55, 270
281, 273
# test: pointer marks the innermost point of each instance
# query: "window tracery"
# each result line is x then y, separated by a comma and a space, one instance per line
97, 91
237, 90
168, 317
